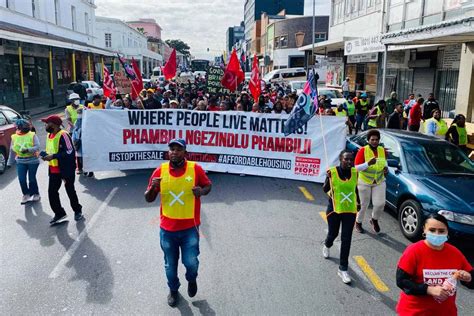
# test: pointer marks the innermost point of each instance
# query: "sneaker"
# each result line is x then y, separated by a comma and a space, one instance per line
325, 252
90, 174
192, 288
57, 218
78, 216
173, 298
35, 198
358, 228
375, 225
78, 171
25, 199
344, 276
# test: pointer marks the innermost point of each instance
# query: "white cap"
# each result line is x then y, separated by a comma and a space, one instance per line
74, 96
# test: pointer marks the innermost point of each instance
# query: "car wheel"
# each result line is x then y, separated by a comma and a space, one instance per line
3, 161
410, 219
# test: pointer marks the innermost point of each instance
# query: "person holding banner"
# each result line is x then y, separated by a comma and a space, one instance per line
181, 183
341, 186
371, 162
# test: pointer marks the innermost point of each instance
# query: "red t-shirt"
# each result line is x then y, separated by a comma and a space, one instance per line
360, 157
415, 115
202, 180
429, 266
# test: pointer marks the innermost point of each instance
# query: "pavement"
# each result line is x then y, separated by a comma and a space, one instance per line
260, 253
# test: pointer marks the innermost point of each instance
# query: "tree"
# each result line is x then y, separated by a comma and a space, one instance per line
141, 30
180, 46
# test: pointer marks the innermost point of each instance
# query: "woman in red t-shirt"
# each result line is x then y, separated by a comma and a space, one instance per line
424, 268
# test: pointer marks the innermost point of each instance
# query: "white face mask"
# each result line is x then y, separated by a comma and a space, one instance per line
76, 102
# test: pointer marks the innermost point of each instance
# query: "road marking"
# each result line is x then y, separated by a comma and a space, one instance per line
371, 275
323, 216
306, 193
70, 252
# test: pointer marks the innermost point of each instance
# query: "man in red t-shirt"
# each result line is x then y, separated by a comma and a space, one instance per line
180, 183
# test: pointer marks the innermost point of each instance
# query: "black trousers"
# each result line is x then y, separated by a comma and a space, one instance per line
79, 163
334, 223
55, 181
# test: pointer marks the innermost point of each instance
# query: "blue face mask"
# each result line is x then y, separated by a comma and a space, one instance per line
435, 239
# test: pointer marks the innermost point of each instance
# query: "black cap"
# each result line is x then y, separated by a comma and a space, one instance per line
178, 141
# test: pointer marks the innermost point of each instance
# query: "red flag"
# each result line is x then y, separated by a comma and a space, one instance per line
169, 70
109, 87
254, 85
233, 74
137, 83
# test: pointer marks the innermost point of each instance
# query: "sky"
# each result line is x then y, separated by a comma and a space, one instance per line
202, 24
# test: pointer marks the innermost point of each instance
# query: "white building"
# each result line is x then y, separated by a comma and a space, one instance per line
430, 48
53, 40
116, 35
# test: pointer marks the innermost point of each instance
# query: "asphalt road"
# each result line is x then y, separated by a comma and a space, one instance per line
260, 253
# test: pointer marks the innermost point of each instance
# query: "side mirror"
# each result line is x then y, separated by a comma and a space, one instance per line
393, 163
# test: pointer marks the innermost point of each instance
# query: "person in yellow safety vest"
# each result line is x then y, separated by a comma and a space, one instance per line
341, 186
23, 150
371, 163
377, 115
457, 133
96, 104
341, 111
436, 126
181, 184
351, 110
71, 110
362, 108
61, 157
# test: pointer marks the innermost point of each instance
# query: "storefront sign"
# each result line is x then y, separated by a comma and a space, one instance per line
363, 45
451, 57
234, 142
363, 58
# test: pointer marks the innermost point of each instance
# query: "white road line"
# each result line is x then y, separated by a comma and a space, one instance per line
70, 252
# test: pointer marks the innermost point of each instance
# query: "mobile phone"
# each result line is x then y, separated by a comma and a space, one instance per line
43, 154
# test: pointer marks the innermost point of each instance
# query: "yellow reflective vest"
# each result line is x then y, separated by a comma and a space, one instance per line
73, 112
177, 197
344, 192
21, 142
52, 146
375, 173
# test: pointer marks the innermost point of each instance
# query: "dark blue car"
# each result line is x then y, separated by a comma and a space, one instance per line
426, 175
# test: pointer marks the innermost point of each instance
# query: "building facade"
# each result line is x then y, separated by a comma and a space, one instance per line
252, 14
234, 35
284, 36
428, 43
118, 36
44, 46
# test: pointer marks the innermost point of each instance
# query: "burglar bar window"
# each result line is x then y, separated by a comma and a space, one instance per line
108, 40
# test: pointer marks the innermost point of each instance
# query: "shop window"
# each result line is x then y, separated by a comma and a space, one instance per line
283, 41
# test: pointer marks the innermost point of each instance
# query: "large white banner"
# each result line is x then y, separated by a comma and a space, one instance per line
234, 142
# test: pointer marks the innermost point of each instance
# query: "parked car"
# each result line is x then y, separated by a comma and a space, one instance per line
8, 118
332, 93
92, 88
285, 75
426, 175
296, 86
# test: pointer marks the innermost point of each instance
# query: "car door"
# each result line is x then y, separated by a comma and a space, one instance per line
7, 128
392, 147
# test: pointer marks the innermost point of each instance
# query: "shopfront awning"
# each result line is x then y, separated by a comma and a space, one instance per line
20, 34
330, 45
442, 33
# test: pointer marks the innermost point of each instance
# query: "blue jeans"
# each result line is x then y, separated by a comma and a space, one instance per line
359, 122
171, 242
27, 169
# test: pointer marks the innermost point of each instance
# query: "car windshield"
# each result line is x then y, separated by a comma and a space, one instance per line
330, 94
436, 158
297, 85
